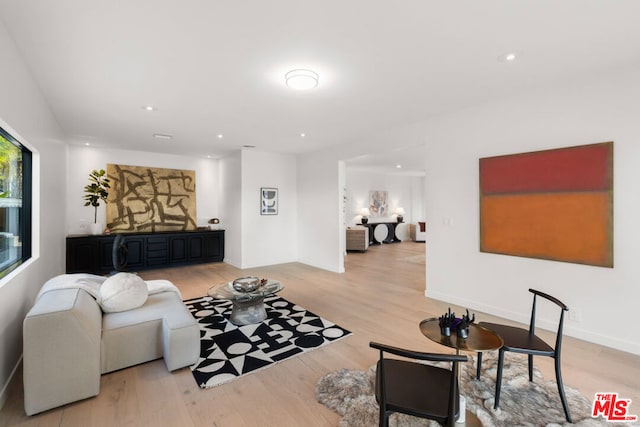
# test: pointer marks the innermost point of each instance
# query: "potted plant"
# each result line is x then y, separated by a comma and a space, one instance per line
96, 190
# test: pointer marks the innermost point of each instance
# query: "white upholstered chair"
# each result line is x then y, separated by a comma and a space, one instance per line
418, 231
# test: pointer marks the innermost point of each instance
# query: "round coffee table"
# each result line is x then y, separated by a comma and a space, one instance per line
248, 307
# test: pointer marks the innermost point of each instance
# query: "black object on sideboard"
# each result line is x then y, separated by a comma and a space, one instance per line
140, 251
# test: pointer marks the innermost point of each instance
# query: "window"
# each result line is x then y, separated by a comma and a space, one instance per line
15, 203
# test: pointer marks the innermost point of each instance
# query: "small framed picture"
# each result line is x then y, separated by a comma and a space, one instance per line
268, 201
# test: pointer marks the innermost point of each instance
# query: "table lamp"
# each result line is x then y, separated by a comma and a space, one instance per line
365, 213
399, 213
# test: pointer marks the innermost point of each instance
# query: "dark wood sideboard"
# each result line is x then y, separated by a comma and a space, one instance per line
94, 254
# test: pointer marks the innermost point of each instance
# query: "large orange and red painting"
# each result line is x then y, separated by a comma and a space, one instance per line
552, 204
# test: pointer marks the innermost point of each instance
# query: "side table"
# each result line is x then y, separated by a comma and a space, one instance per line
479, 339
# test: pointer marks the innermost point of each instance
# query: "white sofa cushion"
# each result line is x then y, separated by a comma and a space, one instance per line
122, 292
162, 327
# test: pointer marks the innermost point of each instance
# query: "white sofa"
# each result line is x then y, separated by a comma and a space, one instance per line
69, 342
418, 231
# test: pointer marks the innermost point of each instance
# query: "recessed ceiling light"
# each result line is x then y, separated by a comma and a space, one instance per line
508, 57
398, 166
162, 136
87, 144
209, 156
301, 79
303, 134
220, 136
149, 108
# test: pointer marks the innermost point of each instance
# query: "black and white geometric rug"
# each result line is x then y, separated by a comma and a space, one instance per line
228, 351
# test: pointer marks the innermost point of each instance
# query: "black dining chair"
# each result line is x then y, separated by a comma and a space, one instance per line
520, 340
417, 389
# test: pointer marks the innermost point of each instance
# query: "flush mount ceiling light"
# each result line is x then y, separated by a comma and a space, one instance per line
508, 57
162, 136
148, 108
301, 79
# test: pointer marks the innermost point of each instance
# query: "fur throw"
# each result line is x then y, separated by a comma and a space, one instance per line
522, 403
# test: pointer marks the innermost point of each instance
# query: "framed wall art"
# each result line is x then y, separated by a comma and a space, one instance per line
149, 199
553, 204
268, 201
378, 203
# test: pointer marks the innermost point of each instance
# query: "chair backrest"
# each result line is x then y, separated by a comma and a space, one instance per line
532, 324
433, 357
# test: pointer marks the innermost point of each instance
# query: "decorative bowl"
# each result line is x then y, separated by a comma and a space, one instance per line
246, 284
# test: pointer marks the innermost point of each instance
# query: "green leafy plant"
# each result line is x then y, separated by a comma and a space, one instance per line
96, 190
10, 170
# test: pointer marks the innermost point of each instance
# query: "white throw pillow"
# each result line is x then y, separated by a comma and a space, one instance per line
123, 291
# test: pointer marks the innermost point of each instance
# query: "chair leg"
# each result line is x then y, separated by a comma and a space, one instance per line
499, 378
384, 418
530, 367
479, 365
561, 390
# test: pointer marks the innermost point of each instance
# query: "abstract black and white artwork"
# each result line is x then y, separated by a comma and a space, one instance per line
268, 201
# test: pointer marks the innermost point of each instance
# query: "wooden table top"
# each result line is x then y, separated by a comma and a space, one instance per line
479, 339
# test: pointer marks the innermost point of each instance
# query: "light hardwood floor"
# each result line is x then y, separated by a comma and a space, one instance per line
380, 297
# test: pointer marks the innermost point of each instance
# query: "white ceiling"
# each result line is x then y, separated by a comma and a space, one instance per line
217, 67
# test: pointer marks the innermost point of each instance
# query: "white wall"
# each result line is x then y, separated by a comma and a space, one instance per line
85, 159
418, 204
403, 191
320, 219
604, 110
231, 201
268, 239
24, 110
